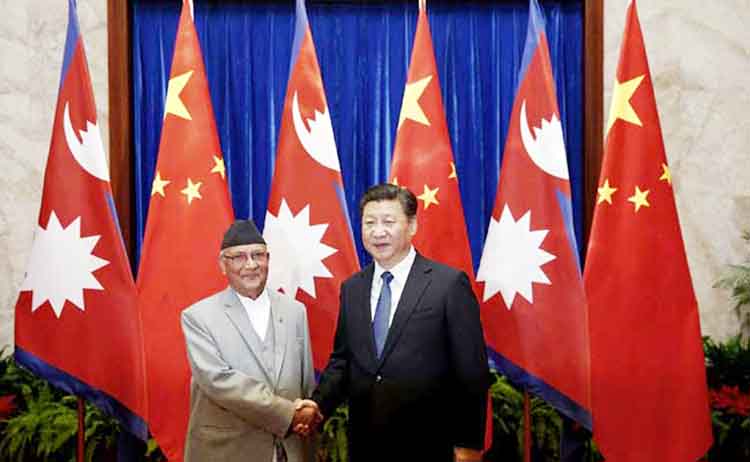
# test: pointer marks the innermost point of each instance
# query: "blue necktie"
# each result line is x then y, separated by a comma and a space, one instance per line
382, 313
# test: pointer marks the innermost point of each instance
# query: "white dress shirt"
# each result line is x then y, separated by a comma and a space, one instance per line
259, 312
400, 273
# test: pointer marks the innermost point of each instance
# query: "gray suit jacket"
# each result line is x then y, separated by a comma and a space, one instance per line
238, 409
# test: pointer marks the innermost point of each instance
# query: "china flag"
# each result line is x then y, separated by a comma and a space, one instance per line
188, 214
76, 320
307, 225
423, 162
423, 159
649, 393
534, 309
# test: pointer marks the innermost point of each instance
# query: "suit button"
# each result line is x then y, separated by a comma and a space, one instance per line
379, 378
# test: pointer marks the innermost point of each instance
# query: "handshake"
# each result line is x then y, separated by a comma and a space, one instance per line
306, 417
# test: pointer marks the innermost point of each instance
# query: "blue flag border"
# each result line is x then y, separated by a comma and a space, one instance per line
130, 421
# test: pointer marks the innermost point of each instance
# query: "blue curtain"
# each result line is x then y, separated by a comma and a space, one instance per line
364, 50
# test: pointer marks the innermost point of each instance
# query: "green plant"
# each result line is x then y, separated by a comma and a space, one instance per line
728, 377
333, 442
508, 425
45, 425
737, 279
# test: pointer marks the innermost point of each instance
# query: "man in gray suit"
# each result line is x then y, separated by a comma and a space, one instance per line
249, 352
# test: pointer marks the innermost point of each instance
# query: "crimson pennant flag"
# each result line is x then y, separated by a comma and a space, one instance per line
307, 225
423, 162
649, 393
534, 309
76, 320
188, 213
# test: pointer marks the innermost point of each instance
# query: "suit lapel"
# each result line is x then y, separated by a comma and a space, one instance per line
238, 317
417, 282
280, 335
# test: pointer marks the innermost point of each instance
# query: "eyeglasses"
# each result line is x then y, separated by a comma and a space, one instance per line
239, 260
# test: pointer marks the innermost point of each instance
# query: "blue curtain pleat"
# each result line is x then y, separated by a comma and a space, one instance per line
364, 50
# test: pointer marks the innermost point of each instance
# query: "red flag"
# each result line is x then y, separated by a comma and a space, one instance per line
649, 393
307, 225
534, 309
188, 214
423, 162
78, 283
423, 159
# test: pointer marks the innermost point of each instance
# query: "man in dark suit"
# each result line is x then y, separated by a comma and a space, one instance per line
409, 355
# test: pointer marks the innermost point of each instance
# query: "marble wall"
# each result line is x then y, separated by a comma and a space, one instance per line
699, 54
700, 60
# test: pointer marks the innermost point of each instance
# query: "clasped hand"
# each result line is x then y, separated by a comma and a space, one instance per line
306, 417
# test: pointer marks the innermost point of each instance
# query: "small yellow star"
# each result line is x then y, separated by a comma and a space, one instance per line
158, 185
605, 193
621, 108
191, 191
219, 166
394, 181
453, 171
174, 104
429, 196
410, 108
639, 198
666, 175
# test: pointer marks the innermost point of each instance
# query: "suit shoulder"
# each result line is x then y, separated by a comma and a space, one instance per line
442, 270
358, 276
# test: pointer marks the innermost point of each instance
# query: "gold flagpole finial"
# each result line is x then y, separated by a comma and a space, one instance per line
423, 5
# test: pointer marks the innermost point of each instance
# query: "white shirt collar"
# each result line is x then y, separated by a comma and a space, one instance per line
258, 311
400, 270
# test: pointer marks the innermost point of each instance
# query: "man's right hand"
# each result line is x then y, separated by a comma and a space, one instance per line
306, 417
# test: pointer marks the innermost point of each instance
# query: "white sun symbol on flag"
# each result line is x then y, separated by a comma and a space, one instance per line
297, 252
512, 258
62, 265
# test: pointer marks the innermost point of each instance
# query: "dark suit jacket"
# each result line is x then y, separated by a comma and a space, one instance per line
428, 391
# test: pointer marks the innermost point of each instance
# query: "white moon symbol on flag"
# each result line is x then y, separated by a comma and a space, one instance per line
89, 153
547, 151
318, 142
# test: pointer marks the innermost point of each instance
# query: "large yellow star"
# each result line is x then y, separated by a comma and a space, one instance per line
621, 108
157, 187
219, 166
605, 193
174, 104
666, 174
394, 181
191, 191
639, 198
429, 196
453, 171
410, 108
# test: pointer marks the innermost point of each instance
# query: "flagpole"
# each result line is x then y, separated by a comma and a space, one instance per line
526, 427
81, 440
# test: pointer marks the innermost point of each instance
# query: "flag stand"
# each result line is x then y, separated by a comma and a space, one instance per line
526, 427
81, 439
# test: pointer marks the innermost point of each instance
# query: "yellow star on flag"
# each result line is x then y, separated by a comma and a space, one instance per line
666, 175
639, 198
174, 104
410, 108
158, 185
605, 193
621, 108
453, 171
429, 196
191, 191
219, 166
394, 181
